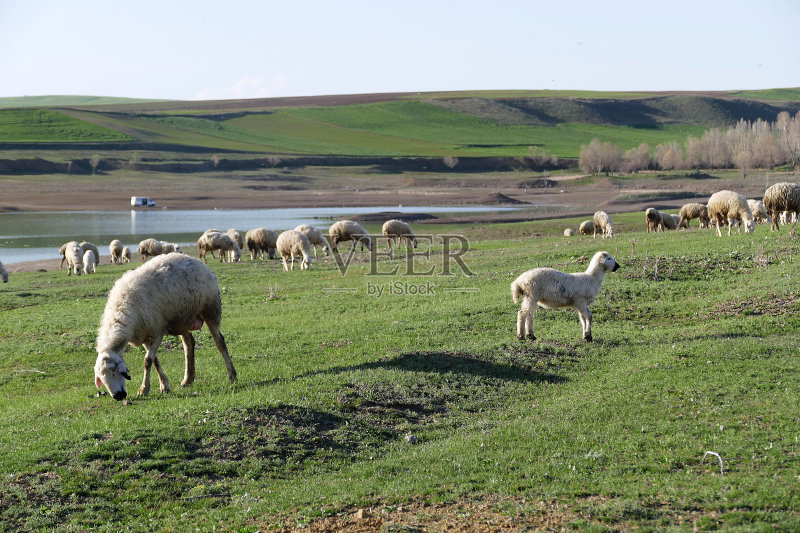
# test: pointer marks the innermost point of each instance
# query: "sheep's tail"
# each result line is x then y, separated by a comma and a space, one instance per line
517, 290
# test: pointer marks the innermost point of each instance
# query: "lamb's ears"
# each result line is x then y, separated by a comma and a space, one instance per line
98, 382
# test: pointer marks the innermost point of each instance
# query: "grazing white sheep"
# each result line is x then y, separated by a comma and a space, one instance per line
150, 248
89, 262
293, 243
347, 230
259, 240
115, 249
653, 218
63, 253
782, 198
569, 232
73, 253
126, 255
694, 210
89, 246
730, 206
169, 247
397, 229
550, 288
84, 246
237, 238
171, 294
3, 273
315, 237
760, 215
603, 224
210, 241
586, 227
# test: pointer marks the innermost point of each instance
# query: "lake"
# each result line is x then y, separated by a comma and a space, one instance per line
35, 236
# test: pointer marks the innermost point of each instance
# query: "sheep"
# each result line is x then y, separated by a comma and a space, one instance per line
63, 253
603, 224
671, 221
172, 294
73, 255
260, 239
550, 288
89, 262
731, 206
315, 237
237, 238
694, 210
169, 247
653, 218
760, 215
150, 248
3, 273
779, 198
397, 229
291, 243
346, 230
126, 255
210, 241
89, 246
586, 227
115, 249
787, 217
569, 232
680, 223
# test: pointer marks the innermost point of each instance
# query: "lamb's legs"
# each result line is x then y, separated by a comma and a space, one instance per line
219, 340
586, 322
285, 266
151, 359
525, 322
188, 350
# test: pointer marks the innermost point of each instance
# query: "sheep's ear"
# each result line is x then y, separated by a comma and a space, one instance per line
98, 382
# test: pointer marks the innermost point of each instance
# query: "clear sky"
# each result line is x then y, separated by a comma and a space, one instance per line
247, 49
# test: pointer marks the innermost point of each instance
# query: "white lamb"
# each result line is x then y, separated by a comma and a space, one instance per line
3, 273
89, 246
603, 224
397, 229
760, 215
293, 243
126, 255
210, 241
169, 247
259, 240
115, 249
730, 206
550, 288
569, 232
73, 253
89, 262
347, 230
237, 238
315, 237
653, 218
782, 198
694, 210
172, 294
149, 248
586, 227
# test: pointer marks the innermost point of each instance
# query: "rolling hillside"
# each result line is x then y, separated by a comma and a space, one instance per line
466, 124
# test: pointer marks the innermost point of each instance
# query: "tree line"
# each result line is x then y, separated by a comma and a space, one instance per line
744, 146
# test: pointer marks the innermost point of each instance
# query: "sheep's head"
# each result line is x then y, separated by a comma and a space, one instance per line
4, 275
605, 261
110, 370
749, 226
326, 249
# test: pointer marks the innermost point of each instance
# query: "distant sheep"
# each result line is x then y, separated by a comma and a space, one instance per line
760, 215
210, 241
169, 247
670, 221
694, 210
293, 243
89, 262
569, 232
172, 294
347, 230
730, 206
73, 253
397, 229
586, 227
84, 246
115, 249
150, 248
259, 240
126, 255
3, 273
780, 198
603, 225
315, 237
653, 218
550, 288
89, 246
237, 238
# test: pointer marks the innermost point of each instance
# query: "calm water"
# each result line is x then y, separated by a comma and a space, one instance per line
33, 236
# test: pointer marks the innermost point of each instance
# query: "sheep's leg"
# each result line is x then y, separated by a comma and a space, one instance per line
149, 360
188, 350
163, 382
525, 322
586, 322
219, 340
285, 266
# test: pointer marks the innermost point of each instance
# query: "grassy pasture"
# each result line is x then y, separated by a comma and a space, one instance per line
695, 350
42, 125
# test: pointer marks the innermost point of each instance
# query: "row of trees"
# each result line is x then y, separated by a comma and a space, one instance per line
745, 146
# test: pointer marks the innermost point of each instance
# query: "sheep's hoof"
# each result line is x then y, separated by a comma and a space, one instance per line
531, 337
143, 391
588, 338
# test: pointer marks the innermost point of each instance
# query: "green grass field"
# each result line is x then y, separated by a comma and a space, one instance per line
42, 125
695, 350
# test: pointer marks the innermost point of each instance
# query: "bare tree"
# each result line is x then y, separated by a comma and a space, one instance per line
540, 157
789, 131
636, 159
743, 160
695, 153
767, 151
94, 161
450, 161
589, 159
669, 156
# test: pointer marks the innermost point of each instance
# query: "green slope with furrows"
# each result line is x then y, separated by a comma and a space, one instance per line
42, 125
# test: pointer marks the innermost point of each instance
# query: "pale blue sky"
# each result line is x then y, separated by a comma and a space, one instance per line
249, 49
